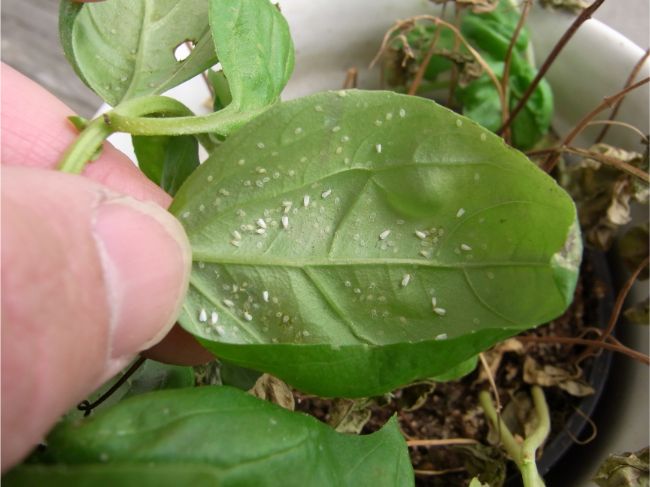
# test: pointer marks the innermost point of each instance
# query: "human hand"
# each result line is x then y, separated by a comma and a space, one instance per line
94, 270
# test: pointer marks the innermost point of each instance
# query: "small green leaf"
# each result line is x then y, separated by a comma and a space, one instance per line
167, 161
254, 46
123, 49
215, 436
332, 222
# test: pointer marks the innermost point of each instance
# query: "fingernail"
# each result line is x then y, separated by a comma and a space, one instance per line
146, 259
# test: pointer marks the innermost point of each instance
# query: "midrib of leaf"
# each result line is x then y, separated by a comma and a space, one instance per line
142, 37
211, 258
254, 201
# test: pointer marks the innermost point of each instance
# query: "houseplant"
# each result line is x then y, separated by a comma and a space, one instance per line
202, 315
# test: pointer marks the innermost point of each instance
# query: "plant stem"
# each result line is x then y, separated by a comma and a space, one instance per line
223, 122
523, 455
584, 15
442, 442
505, 79
610, 161
630, 80
607, 102
528, 466
620, 299
509, 443
84, 148
616, 347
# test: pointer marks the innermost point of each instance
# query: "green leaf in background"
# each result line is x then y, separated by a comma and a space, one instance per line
124, 49
167, 161
352, 242
490, 33
214, 436
254, 46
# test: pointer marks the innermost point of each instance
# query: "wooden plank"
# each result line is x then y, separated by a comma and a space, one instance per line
30, 43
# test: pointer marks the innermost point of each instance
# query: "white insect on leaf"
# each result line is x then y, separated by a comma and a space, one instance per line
406, 279
203, 316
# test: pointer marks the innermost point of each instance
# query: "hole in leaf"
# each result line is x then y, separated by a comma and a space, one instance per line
183, 50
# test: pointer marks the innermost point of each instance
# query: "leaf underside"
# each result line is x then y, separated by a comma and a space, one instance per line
214, 436
393, 206
124, 49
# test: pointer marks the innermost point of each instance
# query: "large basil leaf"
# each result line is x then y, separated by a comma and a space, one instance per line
123, 49
324, 229
214, 436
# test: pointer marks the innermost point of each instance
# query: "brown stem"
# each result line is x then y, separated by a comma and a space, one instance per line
505, 79
439, 472
629, 126
607, 102
630, 80
442, 442
454, 69
610, 161
580, 19
620, 299
413, 89
350, 78
641, 357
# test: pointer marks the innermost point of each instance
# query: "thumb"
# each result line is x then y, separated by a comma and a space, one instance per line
90, 278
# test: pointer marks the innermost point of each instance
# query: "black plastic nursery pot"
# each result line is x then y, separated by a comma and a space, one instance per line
560, 454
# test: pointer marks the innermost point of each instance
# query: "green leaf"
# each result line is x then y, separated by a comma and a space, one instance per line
254, 46
459, 371
348, 313
124, 49
167, 161
215, 436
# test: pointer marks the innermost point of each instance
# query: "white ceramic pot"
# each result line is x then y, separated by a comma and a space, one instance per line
333, 35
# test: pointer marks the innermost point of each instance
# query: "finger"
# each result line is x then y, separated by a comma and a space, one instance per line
35, 132
90, 278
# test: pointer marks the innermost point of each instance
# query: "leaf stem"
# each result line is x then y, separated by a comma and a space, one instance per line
528, 467
223, 122
507, 440
524, 454
84, 148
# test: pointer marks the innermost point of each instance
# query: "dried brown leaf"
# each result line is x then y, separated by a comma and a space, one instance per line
550, 375
272, 389
603, 194
626, 470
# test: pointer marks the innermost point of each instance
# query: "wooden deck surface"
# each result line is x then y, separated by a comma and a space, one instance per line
30, 44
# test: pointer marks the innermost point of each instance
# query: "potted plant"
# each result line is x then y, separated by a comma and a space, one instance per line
349, 243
